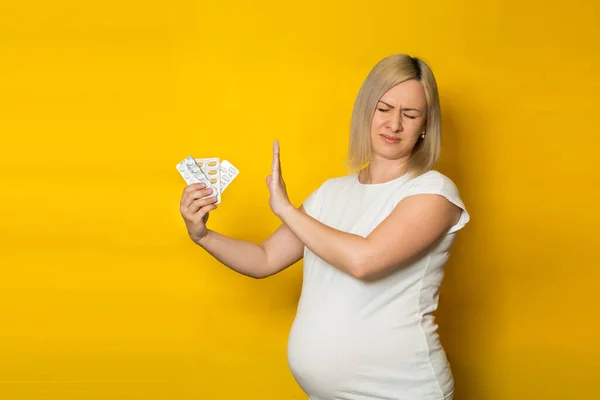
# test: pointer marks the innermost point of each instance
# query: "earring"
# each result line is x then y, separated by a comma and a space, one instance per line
423, 135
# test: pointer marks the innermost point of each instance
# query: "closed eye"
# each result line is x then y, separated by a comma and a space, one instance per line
406, 115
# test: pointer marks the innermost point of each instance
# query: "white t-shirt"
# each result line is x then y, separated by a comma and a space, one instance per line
358, 340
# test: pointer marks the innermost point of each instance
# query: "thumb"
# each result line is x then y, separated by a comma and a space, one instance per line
269, 181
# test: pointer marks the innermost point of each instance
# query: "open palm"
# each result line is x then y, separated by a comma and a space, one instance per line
278, 199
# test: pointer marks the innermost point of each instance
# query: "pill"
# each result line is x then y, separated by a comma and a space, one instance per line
210, 167
228, 174
213, 172
192, 173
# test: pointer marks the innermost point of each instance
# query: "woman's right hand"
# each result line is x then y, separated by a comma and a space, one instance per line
194, 209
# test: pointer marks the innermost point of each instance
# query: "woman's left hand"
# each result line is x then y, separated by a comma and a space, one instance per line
278, 199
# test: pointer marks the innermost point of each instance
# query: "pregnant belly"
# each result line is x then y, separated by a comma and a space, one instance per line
360, 360
322, 356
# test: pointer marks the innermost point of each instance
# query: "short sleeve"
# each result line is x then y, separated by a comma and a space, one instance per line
434, 182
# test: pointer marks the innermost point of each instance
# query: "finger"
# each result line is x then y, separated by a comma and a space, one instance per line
275, 166
193, 187
199, 203
279, 161
196, 204
203, 213
190, 189
197, 194
199, 208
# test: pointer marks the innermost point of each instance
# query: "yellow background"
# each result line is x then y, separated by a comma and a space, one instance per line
102, 294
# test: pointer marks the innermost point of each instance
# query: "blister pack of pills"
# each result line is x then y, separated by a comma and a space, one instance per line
192, 173
213, 172
210, 167
228, 174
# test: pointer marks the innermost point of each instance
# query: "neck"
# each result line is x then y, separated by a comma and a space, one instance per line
381, 171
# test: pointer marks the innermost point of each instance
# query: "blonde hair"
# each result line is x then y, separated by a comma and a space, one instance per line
388, 73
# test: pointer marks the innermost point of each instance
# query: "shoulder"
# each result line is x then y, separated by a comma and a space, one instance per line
436, 183
336, 183
339, 182
433, 182
331, 185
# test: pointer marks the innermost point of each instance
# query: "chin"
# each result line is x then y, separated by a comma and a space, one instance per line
386, 154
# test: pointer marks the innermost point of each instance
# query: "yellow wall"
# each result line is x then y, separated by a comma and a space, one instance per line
102, 294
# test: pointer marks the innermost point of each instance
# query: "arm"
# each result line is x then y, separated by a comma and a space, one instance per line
416, 223
281, 250
278, 252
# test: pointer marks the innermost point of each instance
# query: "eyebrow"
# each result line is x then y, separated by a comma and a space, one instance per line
406, 109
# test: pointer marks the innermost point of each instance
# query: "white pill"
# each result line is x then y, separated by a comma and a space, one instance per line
225, 178
186, 175
232, 170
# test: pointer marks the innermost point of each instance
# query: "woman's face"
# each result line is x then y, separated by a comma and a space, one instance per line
398, 121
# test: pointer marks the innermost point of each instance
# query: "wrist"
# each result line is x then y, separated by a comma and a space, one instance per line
202, 240
286, 212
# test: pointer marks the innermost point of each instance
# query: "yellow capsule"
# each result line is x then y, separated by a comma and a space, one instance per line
212, 172
212, 164
213, 181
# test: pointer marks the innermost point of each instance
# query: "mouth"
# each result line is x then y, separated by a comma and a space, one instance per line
389, 139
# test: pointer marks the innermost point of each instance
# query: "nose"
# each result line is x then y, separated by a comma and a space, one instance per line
395, 122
